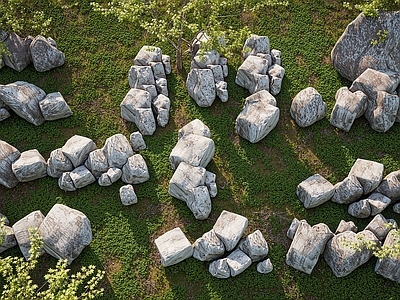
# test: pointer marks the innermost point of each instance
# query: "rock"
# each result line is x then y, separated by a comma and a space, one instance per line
229, 228
58, 163
377, 202
347, 191
45, 55
19, 56
23, 98
151, 89
396, 208
390, 186
307, 245
140, 76
111, 176
221, 88
238, 261
21, 231
77, 149
9, 240
382, 114
135, 170
104, 180
148, 54
137, 141
166, 60
161, 106
208, 247
194, 149
158, 69
127, 195
276, 73
255, 246
29, 166
173, 247
217, 72
8, 154
307, 107
196, 127
379, 226
276, 57
162, 86
201, 86
54, 107
256, 44
4, 114
354, 52
65, 232
348, 107
389, 267
360, 209
314, 191
117, 150
211, 184
346, 226
342, 258
258, 117
97, 162
292, 228
206, 58
200, 204
81, 177
223, 62
368, 173
265, 266
65, 182
219, 268
252, 74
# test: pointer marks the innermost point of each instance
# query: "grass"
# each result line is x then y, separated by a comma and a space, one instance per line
257, 181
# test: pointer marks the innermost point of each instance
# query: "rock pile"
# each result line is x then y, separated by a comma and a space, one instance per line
205, 80
223, 246
147, 101
65, 232
22, 51
31, 103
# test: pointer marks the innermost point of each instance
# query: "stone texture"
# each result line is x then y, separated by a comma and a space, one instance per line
201, 86
379, 226
377, 202
137, 141
81, 177
252, 74
8, 154
255, 246
65, 182
29, 166
230, 227
219, 268
389, 267
54, 107
127, 195
238, 261
135, 170
390, 186
117, 149
58, 163
276, 74
77, 149
208, 247
97, 162
293, 228
140, 76
161, 107
19, 56
4, 114
382, 112
346, 226
256, 44
360, 209
314, 191
196, 127
347, 191
265, 266
45, 55
148, 54
368, 173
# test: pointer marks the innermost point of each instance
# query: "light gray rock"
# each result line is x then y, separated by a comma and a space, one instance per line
152, 89
9, 240
256, 44
77, 149
162, 86
104, 180
258, 117
348, 107
276, 57
223, 62
45, 55
210, 182
229, 228
238, 261
117, 149
307, 246
161, 107
292, 228
396, 208
307, 107
276, 74
81, 177
252, 74
148, 54
346, 226
200, 203
140, 76
221, 89
255, 246
97, 163
137, 141
314, 191
58, 163
217, 72
173, 247
389, 267
21, 231
19, 56
377, 202
201, 86
114, 174
359, 209
29, 166
196, 127
166, 60
158, 69
390, 186
354, 52
379, 226
347, 191
219, 268
54, 107
65, 182
4, 114
265, 266
342, 258
202, 60
208, 247
65, 232
194, 149
382, 112
368, 173
8, 154
135, 170
127, 195
23, 98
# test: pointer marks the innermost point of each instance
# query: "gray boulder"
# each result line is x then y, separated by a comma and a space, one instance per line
206, 58
45, 55
19, 56
8, 154
368, 173
389, 267
9, 240
290, 233
77, 149
112, 175
276, 57
162, 86
390, 186
229, 228
238, 261
201, 86
29, 166
221, 89
208, 247
158, 69
314, 191
161, 106
65, 182
97, 163
81, 177
135, 170
377, 202
347, 191
140, 76
256, 44
196, 127
54, 107
265, 266
58, 163
117, 149
137, 141
381, 112
148, 54
252, 74
379, 226
166, 60
360, 209
346, 226
396, 208
219, 268
276, 73
255, 246
127, 195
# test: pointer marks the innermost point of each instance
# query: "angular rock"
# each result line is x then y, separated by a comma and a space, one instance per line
77, 149
265, 266
208, 247
201, 86
238, 261
19, 56
217, 72
255, 246
314, 191
45, 55
137, 141
65, 182
204, 59
117, 150
196, 127
252, 74
8, 154
166, 60
200, 203
360, 209
140, 76
135, 170
379, 226
368, 173
292, 228
104, 180
127, 195
148, 54
390, 186
346, 226
58, 163
54, 107
221, 88
382, 113
229, 228
161, 106
158, 69
223, 62
256, 44
211, 184
173, 247
114, 174
377, 202
162, 86
29, 166
65, 232
276, 57
347, 191
9, 240
4, 114
276, 73
97, 162
307, 107
389, 267
219, 268
81, 177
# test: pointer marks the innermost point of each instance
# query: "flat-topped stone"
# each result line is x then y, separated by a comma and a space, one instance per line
230, 227
314, 191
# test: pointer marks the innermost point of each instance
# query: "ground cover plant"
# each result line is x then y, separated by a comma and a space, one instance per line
257, 181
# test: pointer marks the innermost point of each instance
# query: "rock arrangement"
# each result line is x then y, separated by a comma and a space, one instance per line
147, 101
191, 182
225, 236
65, 232
205, 80
31, 103
310, 242
42, 52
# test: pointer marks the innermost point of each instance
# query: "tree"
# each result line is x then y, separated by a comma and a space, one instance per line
372, 7
178, 22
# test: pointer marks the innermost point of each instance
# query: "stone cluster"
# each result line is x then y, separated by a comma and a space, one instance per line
147, 103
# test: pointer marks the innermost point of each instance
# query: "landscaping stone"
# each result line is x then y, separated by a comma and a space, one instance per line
314, 191
161, 107
347, 191
117, 149
9, 240
360, 209
379, 226
97, 162
140, 76
19, 55
377, 202
256, 44
65, 182
255, 246
292, 228
252, 74
166, 60
368, 173
127, 195
196, 127
77, 149
54, 107
45, 55
219, 268
137, 141
390, 186
148, 54
135, 170
58, 163
381, 113
265, 266
200, 204
8, 154
221, 89
276, 74
396, 208
29, 166
208, 247
201, 86
346, 226
81, 177
276, 56
237, 261
229, 228
389, 267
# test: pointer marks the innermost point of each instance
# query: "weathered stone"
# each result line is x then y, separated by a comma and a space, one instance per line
4, 114
54, 107
292, 228
9, 240
389, 267
65, 182
265, 266
58, 163
127, 195
238, 261
135, 170
307, 107
208, 247
224, 64
276, 73
97, 163
3, 217
307, 245
161, 107
396, 208
148, 54
65, 232
158, 69
314, 191
204, 59
29, 166
346, 226
8, 154
347, 191
229, 228
378, 202
104, 180
81, 177
255, 246
117, 150
368, 173
382, 112
200, 203
256, 44
196, 127
162, 86
379, 226
221, 89
201, 86
45, 55
173, 247
360, 209
342, 258
390, 186
77, 149
151, 88
217, 72
252, 74
19, 56
114, 174
166, 60
211, 184
219, 268
137, 141
139, 76
276, 57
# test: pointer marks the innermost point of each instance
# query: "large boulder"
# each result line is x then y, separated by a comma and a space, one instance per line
29, 166
368, 173
141, 76
354, 52
54, 107
314, 191
229, 228
45, 55
8, 154
389, 267
77, 149
135, 170
201, 86
252, 74
18, 56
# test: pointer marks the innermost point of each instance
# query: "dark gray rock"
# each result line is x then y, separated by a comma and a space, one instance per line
8, 154
19, 56
360, 209
45, 55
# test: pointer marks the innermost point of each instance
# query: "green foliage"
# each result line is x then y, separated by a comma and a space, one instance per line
371, 8
381, 37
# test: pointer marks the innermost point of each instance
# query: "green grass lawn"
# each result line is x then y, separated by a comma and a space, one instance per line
257, 181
